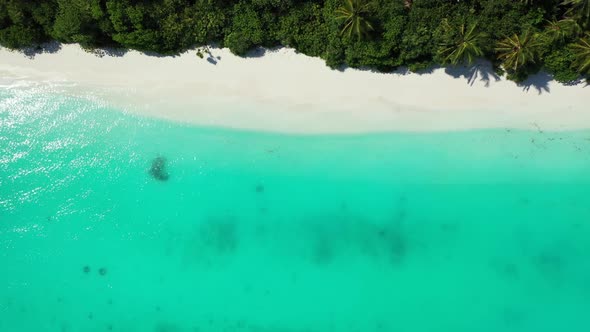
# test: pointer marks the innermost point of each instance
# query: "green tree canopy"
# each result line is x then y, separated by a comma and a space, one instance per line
582, 53
355, 14
518, 50
579, 10
379, 34
462, 45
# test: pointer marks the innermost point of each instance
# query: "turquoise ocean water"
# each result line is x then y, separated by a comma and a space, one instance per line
485, 230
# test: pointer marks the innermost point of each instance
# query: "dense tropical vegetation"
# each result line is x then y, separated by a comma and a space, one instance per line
519, 37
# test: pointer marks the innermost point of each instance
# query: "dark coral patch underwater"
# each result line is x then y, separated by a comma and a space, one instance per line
158, 170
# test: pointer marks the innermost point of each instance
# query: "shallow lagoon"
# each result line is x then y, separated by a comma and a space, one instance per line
481, 230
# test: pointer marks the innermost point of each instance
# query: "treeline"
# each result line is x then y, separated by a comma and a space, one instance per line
519, 36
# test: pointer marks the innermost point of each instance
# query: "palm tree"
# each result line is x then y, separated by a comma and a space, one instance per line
517, 51
582, 52
579, 9
354, 14
465, 47
560, 30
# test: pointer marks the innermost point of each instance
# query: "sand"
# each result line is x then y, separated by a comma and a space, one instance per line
283, 91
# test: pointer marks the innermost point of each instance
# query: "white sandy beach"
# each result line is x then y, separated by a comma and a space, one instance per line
289, 92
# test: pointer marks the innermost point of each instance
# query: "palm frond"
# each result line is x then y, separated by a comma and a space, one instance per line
578, 10
465, 47
582, 52
517, 50
354, 13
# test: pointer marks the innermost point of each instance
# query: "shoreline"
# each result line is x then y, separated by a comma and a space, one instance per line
283, 91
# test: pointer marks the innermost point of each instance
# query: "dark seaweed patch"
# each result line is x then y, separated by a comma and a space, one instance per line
549, 263
219, 234
393, 242
323, 252
506, 269
512, 317
158, 170
397, 247
166, 327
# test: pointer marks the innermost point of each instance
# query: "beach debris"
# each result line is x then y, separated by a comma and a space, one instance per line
158, 169
86, 269
259, 188
205, 50
201, 51
102, 271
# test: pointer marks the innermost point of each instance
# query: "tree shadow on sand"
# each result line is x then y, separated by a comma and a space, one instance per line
480, 71
108, 51
258, 52
539, 82
51, 47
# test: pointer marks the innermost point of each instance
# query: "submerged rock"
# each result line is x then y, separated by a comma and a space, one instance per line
158, 170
